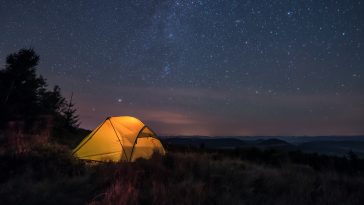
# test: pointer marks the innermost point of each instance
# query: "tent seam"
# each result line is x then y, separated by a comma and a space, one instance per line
112, 125
141, 130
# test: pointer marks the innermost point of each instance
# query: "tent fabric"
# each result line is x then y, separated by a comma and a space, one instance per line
122, 138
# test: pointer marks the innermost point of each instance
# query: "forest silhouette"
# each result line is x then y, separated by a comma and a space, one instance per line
27, 104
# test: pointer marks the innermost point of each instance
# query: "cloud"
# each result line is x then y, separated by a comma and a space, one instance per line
187, 111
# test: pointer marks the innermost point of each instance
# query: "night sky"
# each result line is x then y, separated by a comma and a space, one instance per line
205, 67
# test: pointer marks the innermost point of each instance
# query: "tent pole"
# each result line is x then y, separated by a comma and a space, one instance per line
132, 150
155, 136
118, 139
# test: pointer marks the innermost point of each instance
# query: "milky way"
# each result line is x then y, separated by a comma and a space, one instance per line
201, 67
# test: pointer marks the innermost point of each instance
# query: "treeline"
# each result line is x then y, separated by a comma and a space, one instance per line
27, 105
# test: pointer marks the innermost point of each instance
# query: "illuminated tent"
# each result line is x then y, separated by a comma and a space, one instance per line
119, 139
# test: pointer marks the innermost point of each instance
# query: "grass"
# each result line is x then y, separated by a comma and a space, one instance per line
201, 178
49, 174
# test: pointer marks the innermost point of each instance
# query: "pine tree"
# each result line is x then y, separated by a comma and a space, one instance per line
70, 116
20, 87
24, 96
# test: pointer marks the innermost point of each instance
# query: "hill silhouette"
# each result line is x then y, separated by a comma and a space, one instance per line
330, 147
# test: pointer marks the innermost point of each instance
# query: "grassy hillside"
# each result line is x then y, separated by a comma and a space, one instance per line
48, 174
215, 178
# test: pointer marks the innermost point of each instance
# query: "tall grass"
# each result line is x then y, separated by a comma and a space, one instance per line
209, 178
49, 174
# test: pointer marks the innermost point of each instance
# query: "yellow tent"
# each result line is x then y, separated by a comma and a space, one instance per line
119, 139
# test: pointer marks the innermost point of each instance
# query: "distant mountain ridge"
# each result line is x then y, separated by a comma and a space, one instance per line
289, 139
322, 145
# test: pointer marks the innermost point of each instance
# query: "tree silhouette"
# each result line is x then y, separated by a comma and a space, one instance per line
24, 96
70, 116
52, 102
20, 87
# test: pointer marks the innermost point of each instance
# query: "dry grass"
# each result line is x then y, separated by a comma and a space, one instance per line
200, 178
48, 174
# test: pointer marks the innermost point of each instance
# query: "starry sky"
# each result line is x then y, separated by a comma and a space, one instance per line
205, 67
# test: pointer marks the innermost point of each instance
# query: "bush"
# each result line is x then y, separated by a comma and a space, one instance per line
44, 161
47, 174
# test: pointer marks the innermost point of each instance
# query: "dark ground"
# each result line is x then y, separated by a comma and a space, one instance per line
48, 174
